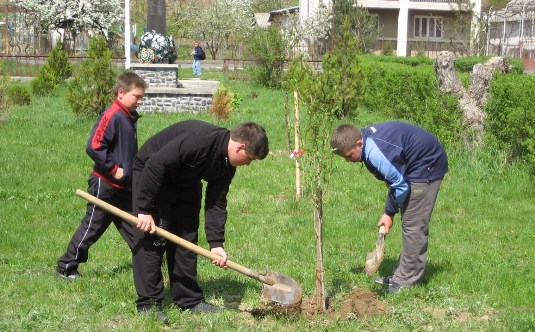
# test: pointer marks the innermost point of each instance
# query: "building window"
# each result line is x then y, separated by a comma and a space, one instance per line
374, 19
429, 27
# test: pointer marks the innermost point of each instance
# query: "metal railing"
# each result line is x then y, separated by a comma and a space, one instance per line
28, 65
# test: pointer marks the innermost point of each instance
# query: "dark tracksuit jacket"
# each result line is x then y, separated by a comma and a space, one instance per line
400, 153
111, 144
168, 169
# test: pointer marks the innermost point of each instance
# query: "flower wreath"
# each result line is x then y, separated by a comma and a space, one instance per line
157, 47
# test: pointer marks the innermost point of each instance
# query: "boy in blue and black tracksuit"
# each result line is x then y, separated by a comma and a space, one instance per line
112, 145
412, 163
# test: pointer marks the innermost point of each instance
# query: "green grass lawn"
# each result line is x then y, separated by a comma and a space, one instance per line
480, 274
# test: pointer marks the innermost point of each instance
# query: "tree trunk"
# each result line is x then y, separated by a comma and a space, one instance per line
298, 186
471, 102
318, 225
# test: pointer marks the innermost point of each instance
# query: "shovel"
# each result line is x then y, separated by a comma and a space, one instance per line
374, 258
277, 287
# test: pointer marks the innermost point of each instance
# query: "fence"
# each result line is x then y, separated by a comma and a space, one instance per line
28, 65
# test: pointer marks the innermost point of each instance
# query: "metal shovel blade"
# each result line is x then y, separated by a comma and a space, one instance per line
284, 290
374, 258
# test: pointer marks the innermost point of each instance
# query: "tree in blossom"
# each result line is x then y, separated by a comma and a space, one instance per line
96, 16
224, 23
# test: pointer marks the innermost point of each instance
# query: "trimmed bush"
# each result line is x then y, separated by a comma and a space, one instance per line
510, 121
411, 93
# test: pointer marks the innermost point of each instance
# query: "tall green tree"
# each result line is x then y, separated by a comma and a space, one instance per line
328, 95
358, 20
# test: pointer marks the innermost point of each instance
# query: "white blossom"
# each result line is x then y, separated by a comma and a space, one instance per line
96, 16
317, 27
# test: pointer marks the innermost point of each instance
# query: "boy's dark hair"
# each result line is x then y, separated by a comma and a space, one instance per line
345, 138
129, 81
253, 136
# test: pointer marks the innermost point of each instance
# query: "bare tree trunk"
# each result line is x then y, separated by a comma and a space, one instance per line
298, 186
473, 101
318, 225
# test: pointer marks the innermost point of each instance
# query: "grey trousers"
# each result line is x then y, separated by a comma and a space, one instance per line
415, 232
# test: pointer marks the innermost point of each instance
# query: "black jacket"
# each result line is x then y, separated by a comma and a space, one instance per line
176, 160
113, 144
197, 53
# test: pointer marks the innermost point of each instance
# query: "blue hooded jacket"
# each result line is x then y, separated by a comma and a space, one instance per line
400, 153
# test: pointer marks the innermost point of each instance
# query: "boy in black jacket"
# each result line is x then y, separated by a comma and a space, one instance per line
168, 170
112, 145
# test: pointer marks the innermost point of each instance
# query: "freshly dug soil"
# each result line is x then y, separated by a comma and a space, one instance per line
358, 304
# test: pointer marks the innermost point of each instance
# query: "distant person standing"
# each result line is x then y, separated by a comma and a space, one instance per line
112, 146
198, 55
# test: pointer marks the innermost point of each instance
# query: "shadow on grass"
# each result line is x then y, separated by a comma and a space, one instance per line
111, 271
230, 290
387, 267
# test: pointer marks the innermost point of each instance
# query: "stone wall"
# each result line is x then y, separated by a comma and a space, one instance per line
167, 94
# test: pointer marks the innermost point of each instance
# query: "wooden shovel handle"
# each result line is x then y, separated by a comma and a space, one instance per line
173, 238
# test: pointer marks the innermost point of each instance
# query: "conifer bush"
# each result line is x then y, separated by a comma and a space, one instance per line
45, 82
19, 94
222, 103
90, 91
4, 105
58, 60
54, 72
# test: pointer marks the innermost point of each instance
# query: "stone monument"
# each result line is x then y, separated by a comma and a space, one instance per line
156, 19
166, 93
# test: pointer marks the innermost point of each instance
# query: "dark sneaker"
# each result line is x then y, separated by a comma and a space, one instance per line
204, 307
67, 275
394, 288
156, 312
384, 280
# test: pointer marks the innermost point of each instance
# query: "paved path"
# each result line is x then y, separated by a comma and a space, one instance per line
198, 87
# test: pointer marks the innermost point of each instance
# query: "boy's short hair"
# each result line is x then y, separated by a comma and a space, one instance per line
253, 136
345, 138
129, 81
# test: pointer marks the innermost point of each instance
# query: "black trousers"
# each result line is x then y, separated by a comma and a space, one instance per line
96, 221
181, 217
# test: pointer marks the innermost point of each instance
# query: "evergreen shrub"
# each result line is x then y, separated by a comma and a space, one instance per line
19, 94
4, 104
222, 103
45, 82
54, 72
58, 61
90, 91
268, 50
